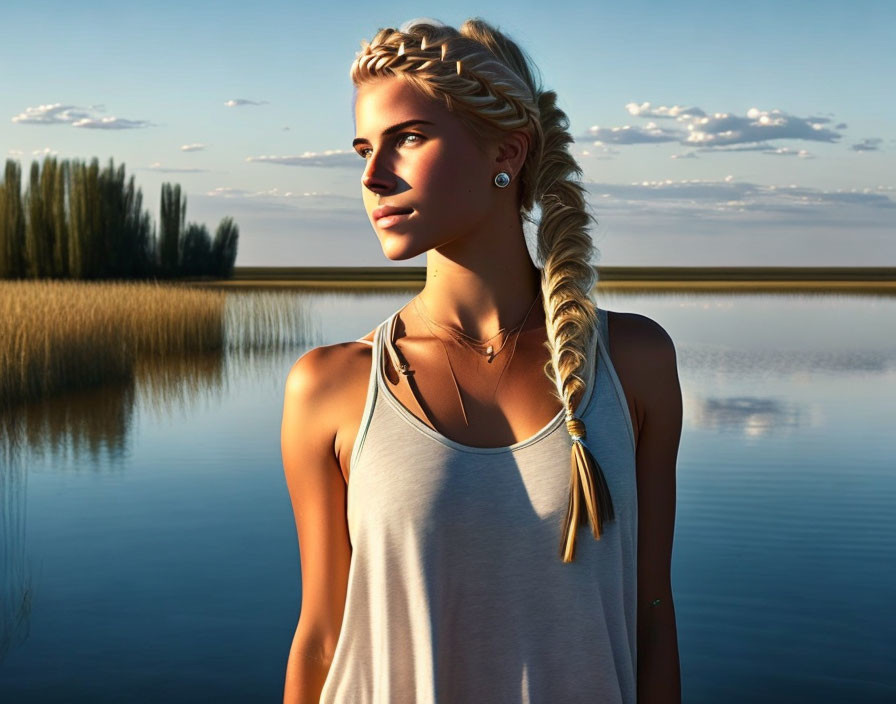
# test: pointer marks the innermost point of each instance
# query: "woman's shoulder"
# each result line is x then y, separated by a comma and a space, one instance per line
644, 357
327, 370
639, 334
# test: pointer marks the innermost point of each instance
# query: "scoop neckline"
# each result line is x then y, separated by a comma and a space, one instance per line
419, 425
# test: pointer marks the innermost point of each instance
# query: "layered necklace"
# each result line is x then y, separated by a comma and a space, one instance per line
480, 347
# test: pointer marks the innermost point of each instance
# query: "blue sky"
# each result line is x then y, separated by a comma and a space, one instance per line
727, 133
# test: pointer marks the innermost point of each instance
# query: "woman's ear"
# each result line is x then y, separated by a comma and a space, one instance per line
512, 151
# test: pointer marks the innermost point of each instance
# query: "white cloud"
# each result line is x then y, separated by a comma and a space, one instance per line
46, 151
328, 158
15, 152
676, 111
59, 114
685, 155
757, 126
51, 114
241, 102
193, 147
599, 150
721, 130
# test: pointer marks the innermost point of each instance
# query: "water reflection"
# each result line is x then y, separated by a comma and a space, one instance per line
752, 362
269, 321
93, 425
177, 383
93, 428
750, 415
15, 572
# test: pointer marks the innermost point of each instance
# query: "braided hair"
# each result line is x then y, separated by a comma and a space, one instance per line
484, 78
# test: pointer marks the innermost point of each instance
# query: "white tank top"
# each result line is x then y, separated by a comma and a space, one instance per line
456, 590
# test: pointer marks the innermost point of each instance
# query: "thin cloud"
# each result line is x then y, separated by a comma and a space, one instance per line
869, 144
193, 147
629, 134
685, 155
228, 192
111, 123
760, 147
706, 197
46, 151
292, 198
787, 151
328, 159
157, 166
59, 114
242, 102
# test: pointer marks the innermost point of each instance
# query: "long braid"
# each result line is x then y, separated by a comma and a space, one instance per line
485, 78
565, 247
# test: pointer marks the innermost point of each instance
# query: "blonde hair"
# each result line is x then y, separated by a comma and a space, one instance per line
483, 77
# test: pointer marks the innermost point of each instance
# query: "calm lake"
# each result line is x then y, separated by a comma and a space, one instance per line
149, 550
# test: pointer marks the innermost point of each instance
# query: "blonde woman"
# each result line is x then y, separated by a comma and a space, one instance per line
484, 485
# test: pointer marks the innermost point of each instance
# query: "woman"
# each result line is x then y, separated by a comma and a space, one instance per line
459, 542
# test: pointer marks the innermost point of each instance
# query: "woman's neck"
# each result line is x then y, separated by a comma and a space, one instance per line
480, 289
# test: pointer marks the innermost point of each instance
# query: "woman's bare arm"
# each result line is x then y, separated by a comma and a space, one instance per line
658, 398
317, 490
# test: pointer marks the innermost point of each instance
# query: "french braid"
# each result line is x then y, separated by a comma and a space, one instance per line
485, 78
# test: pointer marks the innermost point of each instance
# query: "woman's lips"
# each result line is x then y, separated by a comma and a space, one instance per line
387, 215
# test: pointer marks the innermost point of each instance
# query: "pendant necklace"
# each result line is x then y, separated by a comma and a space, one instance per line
476, 346
480, 346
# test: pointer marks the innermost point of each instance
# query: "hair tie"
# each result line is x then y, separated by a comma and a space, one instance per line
587, 483
576, 428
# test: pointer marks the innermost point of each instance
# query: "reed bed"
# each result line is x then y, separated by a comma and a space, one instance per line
268, 321
62, 335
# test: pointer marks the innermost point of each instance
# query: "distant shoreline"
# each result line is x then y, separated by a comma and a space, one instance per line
821, 279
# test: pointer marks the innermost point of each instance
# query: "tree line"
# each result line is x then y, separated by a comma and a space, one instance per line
75, 220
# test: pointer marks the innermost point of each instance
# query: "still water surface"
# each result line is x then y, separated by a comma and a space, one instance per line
149, 550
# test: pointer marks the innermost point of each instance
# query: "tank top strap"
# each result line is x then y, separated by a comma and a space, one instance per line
370, 402
384, 342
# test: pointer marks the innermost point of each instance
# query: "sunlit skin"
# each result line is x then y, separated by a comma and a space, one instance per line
479, 277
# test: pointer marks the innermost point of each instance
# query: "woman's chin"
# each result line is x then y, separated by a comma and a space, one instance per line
398, 251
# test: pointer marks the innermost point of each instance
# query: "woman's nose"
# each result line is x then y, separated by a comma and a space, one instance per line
377, 177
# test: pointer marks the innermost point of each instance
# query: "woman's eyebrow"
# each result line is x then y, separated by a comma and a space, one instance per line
393, 129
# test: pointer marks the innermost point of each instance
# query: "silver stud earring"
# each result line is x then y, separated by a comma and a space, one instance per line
502, 180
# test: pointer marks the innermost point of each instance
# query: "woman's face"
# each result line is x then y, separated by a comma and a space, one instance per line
422, 161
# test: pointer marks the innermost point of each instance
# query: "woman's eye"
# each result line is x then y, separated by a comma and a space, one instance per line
409, 138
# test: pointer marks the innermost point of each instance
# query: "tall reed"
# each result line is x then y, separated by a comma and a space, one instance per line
60, 335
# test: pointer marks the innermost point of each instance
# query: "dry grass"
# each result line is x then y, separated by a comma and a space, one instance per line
61, 335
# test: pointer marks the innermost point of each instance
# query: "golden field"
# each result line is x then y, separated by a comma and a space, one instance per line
61, 335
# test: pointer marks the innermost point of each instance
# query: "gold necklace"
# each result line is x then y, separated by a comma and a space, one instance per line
516, 333
480, 346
